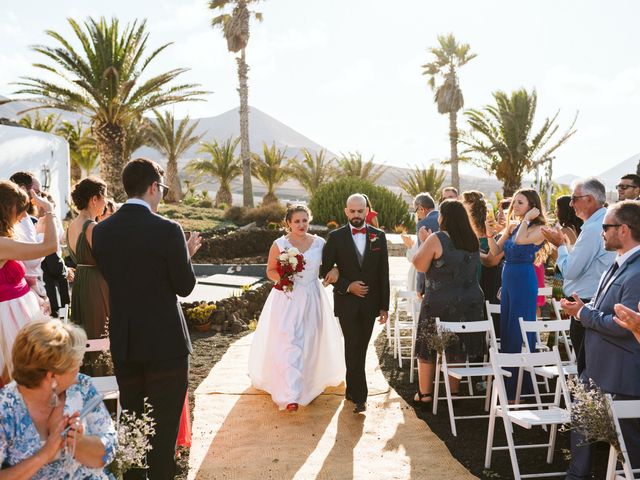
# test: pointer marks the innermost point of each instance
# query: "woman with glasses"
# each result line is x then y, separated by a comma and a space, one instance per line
520, 241
90, 295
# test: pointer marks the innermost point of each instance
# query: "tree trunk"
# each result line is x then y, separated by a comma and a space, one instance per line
269, 199
453, 140
245, 153
510, 185
110, 143
223, 197
76, 172
173, 181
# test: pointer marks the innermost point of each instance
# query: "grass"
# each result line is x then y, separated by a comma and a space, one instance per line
192, 217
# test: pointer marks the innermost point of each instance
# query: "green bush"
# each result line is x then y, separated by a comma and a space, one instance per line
328, 202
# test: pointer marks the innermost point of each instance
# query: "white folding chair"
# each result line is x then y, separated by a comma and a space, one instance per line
63, 314
557, 310
525, 415
621, 409
406, 329
545, 291
106, 386
462, 370
560, 328
493, 309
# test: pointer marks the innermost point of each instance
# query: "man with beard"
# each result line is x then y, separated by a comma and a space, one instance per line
362, 291
629, 187
612, 353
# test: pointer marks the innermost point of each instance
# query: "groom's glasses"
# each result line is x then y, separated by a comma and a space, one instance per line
165, 189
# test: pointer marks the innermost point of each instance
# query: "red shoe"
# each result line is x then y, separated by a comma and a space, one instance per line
292, 407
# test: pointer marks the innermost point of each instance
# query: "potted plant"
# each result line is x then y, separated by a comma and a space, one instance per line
200, 316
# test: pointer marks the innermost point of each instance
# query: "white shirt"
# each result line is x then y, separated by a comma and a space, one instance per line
139, 201
25, 231
359, 239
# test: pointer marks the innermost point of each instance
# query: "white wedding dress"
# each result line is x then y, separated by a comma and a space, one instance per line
298, 349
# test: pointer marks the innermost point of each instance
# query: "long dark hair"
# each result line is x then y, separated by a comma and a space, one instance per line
11, 196
455, 221
477, 210
533, 198
566, 214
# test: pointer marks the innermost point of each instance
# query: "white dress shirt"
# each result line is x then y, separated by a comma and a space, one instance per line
25, 231
359, 239
139, 201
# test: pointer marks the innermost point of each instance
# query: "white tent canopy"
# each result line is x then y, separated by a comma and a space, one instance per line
45, 155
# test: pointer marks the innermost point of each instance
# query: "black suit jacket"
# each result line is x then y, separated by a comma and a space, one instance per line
144, 259
374, 272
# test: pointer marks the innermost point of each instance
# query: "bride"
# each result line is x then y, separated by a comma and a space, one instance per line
297, 349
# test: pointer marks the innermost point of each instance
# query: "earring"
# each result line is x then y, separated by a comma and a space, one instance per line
53, 401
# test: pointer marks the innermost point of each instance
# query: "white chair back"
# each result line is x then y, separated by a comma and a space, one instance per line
559, 327
98, 345
621, 409
545, 291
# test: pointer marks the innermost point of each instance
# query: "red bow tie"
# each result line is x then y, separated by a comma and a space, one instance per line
362, 230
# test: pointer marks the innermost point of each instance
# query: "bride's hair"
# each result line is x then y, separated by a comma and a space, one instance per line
291, 209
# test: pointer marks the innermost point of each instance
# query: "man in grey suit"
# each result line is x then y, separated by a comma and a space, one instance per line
612, 354
425, 209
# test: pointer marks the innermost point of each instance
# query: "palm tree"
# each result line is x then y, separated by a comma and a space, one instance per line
138, 134
173, 141
223, 165
103, 81
423, 180
449, 57
270, 170
235, 28
312, 171
82, 148
46, 124
352, 165
502, 134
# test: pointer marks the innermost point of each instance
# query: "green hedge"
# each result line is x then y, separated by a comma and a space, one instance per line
328, 203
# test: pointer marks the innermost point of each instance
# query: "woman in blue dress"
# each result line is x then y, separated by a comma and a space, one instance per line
520, 240
43, 400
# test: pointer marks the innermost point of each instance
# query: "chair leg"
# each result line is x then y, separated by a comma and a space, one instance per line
491, 429
413, 354
388, 330
612, 463
487, 399
436, 386
447, 388
508, 430
552, 443
520, 374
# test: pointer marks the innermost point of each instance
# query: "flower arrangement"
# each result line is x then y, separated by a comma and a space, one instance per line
590, 414
134, 433
438, 339
201, 314
290, 263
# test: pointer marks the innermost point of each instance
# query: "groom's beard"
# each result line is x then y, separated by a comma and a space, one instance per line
356, 222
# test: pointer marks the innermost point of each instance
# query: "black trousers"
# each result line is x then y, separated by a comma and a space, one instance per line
356, 328
576, 332
164, 384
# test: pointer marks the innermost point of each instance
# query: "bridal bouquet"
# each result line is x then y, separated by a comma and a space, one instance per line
290, 263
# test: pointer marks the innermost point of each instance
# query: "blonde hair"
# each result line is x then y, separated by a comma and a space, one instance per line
46, 346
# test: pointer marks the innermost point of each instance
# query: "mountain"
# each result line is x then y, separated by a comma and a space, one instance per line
612, 176
263, 128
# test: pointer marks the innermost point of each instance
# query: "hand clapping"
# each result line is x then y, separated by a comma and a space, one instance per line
194, 243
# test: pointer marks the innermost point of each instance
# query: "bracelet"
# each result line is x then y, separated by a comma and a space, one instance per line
50, 212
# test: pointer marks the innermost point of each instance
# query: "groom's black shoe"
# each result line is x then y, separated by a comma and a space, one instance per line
360, 407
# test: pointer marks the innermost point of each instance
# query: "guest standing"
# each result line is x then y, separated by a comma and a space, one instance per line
584, 264
90, 296
47, 396
450, 260
520, 241
427, 215
372, 215
149, 339
18, 303
612, 353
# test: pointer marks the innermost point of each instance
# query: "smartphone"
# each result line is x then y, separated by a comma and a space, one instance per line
88, 408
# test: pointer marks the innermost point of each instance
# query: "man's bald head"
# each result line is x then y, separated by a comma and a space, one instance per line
356, 209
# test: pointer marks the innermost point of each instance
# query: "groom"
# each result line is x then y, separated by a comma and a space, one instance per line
361, 293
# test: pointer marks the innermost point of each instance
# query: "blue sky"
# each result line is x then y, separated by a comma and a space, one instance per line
346, 73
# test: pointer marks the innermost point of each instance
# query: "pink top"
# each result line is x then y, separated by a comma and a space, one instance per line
539, 269
12, 282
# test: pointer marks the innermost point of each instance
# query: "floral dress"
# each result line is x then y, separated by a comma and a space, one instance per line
20, 440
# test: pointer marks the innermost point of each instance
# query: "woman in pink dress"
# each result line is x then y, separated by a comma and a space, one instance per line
18, 304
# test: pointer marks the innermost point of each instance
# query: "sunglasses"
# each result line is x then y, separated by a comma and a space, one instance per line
625, 187
165, 189
576, 197
607, 226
